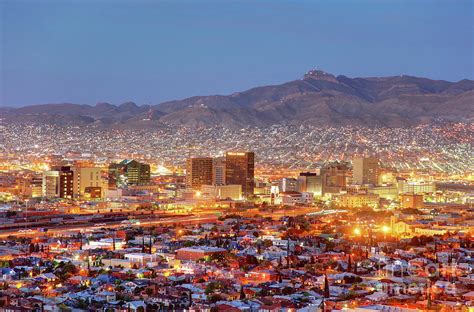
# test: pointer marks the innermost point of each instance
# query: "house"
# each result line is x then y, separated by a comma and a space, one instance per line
196, 253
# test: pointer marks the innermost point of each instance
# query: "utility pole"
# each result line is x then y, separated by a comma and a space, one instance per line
26, 211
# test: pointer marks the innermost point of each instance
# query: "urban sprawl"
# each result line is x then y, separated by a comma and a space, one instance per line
285, 218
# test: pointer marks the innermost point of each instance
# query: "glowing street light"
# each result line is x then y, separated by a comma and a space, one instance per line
357, 231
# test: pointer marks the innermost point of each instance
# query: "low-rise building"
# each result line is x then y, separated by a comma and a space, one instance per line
196, 253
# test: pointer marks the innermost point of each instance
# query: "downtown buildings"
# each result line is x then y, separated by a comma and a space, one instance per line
86, 180
199, 172
240, 170
219, 176
365, 170
129, 172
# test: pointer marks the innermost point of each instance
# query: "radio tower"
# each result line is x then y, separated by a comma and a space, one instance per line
150, 113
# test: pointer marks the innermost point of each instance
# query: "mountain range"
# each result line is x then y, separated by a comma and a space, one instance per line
319, 98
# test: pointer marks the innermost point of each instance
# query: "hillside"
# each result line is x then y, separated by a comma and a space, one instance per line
318, 99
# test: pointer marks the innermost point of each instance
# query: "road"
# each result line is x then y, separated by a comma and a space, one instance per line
62, 229
201, 217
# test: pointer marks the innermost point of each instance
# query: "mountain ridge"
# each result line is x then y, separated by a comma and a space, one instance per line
319, 98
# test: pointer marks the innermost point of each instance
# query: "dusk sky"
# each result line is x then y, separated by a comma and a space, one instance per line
153, 51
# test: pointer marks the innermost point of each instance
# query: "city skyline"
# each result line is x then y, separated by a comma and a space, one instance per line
334, 174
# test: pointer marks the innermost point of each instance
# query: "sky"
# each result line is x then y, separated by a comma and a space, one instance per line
83, 51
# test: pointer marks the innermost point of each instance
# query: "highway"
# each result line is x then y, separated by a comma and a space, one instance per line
199, 217
63, 229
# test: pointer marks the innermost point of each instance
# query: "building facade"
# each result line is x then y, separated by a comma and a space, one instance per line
334, 178
129, 172
240, 169
360, 200
50, 184
365, 170
288, 185
64, 182
411, 200
90, 180
233, 192
310, 182
198, 172
218, 171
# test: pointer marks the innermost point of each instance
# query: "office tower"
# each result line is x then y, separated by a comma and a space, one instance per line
31, 186
334, 177
90, 177
310, 182
129, 172
288, 185
239, 169
198, 172
50, 184
66, 181
365, 170
218, 171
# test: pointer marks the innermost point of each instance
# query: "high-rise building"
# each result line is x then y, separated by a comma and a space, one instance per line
240, 169
198, 172
66, 181
129, 172
90, 177
365, 170
218, 171
334, 178
50, 184
310, 182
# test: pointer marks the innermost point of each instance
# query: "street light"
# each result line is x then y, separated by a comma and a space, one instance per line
26, 211
357, 231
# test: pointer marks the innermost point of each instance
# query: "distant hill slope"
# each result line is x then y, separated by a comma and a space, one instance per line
317, 99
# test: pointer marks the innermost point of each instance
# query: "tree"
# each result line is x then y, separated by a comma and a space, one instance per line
210, 288
214, 298
150, 245
242, 293
326, 287
149, 291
